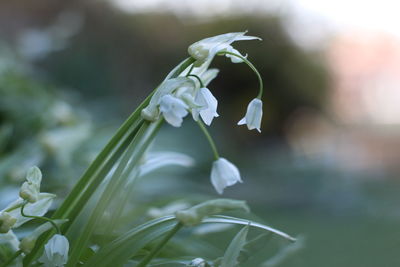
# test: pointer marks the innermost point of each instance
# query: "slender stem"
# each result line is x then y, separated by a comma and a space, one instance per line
160, 245
245, 60
40, 218
209, 138
190, 70
198, 78
10, 260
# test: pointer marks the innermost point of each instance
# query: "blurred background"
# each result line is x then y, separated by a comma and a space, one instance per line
326, 163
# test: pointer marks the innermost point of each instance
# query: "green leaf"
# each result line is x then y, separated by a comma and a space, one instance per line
128, 244
234, 220
232, 253
100, 167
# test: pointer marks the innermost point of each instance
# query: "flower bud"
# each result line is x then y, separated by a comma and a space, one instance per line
29, 192
31, 188
6, 222
195, 214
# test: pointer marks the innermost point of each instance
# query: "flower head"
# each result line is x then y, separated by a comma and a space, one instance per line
173, 110
253, 115
205, 50
224, 174
55, 251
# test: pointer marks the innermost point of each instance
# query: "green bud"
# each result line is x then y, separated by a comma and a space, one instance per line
31, 188
195, 214
6, 222
28, 242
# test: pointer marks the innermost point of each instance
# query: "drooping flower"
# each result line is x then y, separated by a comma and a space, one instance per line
152, 112
253, 115
205, 50
55, 252
207, 106
224, 174
173, 110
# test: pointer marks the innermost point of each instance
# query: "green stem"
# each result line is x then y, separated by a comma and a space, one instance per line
40, 218
10, 260
245, 60
190, 70
209, 138
159, 246
198, 78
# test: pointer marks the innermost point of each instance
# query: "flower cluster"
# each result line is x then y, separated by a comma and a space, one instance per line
32, 204
187, 94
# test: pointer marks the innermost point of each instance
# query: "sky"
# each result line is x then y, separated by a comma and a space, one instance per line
314, 19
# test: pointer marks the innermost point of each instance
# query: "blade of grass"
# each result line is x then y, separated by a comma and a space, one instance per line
234, 220
232, 252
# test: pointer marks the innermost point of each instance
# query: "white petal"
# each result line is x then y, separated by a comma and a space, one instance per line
242, 121
173, 110
210, 103
224, 174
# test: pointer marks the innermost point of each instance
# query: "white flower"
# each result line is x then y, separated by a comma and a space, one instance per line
173, 110
205, 50
55, 252
207, 106
224, 174
151, 112
253, 115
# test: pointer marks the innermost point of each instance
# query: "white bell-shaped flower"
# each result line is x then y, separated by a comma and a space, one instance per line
204, 50
253, 115
55, 252
224, 174
173, 110
151, 112
207, 106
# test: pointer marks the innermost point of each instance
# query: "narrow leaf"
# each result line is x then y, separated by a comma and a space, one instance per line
232, 253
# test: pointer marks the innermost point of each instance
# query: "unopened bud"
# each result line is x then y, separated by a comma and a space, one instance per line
6, 222
195, 214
